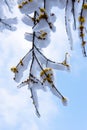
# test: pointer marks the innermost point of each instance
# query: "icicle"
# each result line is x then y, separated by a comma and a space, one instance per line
35, 102
61, 4
67, 22
73, 12
9, 4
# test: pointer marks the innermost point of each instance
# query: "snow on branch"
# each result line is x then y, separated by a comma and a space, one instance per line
37, 14
8, 23
9, 4
5, 21
77, 9
83, 25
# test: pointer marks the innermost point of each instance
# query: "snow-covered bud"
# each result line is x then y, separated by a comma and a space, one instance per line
21, 63
81, 19
65, 61
14, 70
47, 75
42, 10
42, 16
82, 34
84, 6
64, 101
27, 6
83, 43
42, 35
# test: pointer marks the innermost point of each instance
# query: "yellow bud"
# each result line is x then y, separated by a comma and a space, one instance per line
30, 0
20, 6
81, 19
49, 79
32, 19
14, 70
84, 6
42, 10
81, 27
83, 43
65, 64
82, 34
24, 2
43, 34
42, 16
21, 62
45, 71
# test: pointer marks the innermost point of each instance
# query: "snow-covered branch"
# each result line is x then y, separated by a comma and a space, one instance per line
5, 21
38, 15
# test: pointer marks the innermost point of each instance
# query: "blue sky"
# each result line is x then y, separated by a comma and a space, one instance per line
16, 109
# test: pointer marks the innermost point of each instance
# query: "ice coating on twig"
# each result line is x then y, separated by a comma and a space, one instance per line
37, 14
5, 21
22, 66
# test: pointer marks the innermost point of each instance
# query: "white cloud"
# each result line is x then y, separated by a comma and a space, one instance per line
31, 126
